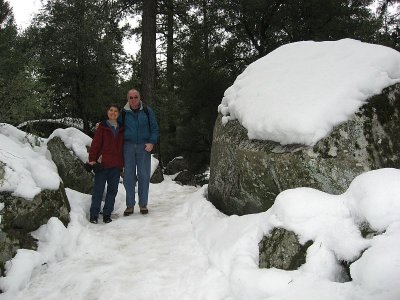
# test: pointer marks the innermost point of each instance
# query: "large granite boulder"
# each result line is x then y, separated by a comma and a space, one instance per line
70, 167
246, 175
44, 128
19, 217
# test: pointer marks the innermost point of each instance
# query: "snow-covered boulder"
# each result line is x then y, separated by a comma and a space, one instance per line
156, 173
247, 175
176, 165
306, 115
185, 177
70, 160
45, 127
19, 217
340, 249
30, 190
157, 176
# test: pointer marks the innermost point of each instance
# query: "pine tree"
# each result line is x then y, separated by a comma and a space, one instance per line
79, 44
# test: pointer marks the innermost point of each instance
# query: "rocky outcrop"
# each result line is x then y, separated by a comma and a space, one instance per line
2, 172
246, 175
8, 248
157, 176
70, 167
176, 165
42, 128
19, 217
186, 177
282, 250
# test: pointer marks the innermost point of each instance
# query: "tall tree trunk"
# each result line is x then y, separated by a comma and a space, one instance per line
81, 61
170, 45
206, 31
149, 57
148, 50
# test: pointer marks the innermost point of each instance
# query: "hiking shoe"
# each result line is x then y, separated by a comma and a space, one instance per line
94, 219
107, 219
128, 211
144, 210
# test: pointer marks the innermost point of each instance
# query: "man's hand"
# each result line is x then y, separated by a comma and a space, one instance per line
149, 147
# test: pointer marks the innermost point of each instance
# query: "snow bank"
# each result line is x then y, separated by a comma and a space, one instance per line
28, 164
332, 222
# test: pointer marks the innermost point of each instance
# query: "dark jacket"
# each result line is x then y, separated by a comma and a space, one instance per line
139, 127
108, 145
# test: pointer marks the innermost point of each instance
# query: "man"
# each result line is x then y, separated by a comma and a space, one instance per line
140, 136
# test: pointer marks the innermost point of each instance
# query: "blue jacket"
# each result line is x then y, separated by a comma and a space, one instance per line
138, 128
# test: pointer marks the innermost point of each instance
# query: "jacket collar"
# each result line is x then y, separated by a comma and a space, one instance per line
105, 124
127, 107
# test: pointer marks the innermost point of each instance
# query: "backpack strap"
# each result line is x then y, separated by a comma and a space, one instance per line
123, 117
146, 110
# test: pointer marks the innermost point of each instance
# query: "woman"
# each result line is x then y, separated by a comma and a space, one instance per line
107, 143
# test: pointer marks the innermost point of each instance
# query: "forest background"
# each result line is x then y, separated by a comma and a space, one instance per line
70, 61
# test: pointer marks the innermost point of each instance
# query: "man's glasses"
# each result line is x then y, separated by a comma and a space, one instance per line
131, 97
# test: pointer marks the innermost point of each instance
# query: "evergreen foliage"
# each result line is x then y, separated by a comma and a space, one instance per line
22, 96
389, 16
79, 44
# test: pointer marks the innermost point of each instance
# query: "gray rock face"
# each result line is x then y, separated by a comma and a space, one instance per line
8, 248
176, 165
2, 165
247, 175
19, 217
43, 128
282, 250
186, 177
157, 176
70, 168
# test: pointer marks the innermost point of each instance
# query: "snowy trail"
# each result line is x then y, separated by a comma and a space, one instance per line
186, 249
155, 256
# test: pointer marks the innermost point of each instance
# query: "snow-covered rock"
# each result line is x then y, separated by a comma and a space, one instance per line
247, 175
309, 114
70, 167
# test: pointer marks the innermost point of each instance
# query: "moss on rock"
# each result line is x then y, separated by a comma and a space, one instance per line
282, 250
19, 217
